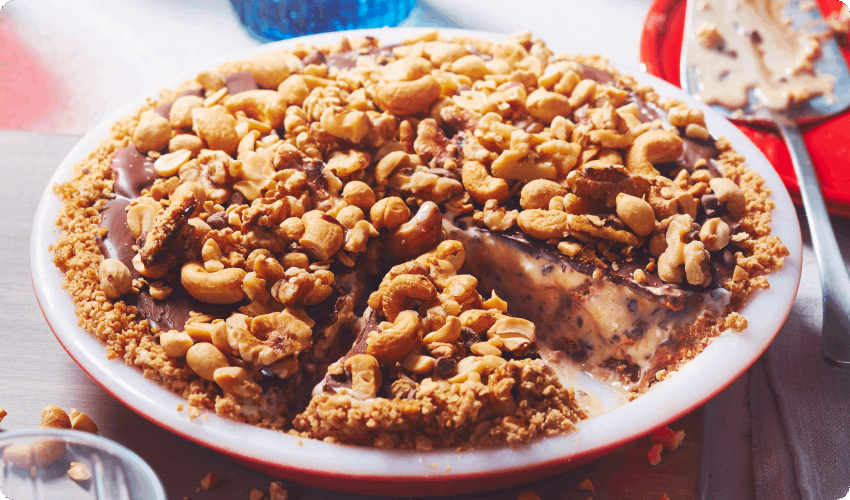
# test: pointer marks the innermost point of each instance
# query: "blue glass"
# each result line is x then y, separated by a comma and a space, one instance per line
279, 19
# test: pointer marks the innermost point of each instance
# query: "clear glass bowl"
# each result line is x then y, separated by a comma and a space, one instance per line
116, 472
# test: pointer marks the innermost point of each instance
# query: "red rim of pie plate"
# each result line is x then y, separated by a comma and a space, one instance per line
410, 473
828, 141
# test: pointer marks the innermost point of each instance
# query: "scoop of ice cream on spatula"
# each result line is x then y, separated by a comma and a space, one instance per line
775, 62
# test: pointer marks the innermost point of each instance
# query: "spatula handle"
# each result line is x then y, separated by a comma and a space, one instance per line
835, 283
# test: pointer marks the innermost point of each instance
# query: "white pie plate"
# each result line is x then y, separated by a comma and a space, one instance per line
373, 471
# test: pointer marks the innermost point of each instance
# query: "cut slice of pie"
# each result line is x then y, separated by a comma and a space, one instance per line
437, 364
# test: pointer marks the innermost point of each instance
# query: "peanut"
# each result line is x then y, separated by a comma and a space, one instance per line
389, 212
152, 133
215, 127
204, 359
186, 141
323, 235
115, 278
359, 194
636, 213
714, 234
237, 381
82, 422
175, 344
538, 193
366, 375
515, 333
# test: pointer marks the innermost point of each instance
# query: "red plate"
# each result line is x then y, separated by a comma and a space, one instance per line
828, 141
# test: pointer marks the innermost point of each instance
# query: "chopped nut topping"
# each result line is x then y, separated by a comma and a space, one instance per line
79, 472
209, 481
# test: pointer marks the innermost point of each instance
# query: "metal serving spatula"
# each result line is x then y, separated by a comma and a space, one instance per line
835, 281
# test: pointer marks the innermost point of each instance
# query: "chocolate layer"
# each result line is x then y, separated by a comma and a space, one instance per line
134, 173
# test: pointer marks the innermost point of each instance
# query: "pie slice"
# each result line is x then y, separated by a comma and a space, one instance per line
437, 364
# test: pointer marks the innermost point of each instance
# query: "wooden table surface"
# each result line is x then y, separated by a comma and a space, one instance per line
35, 371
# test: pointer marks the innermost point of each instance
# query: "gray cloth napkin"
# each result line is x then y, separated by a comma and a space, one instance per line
782, 430
799, 405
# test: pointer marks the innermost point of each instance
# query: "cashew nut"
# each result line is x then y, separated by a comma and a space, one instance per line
450, 250
403, 292
481, 186
221, 287
419, 234
543, 224
408, 98
267, 106
654, 146
389, 164
394, 343
406, 69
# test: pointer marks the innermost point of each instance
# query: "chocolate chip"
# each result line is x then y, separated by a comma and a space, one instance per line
218, 220
469, 337
710, 204
316, 57
445, 367
469, 334
693, 234
729, 260
636, 332
632, 305
755, 37
577, 352
237, 199
531, 355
